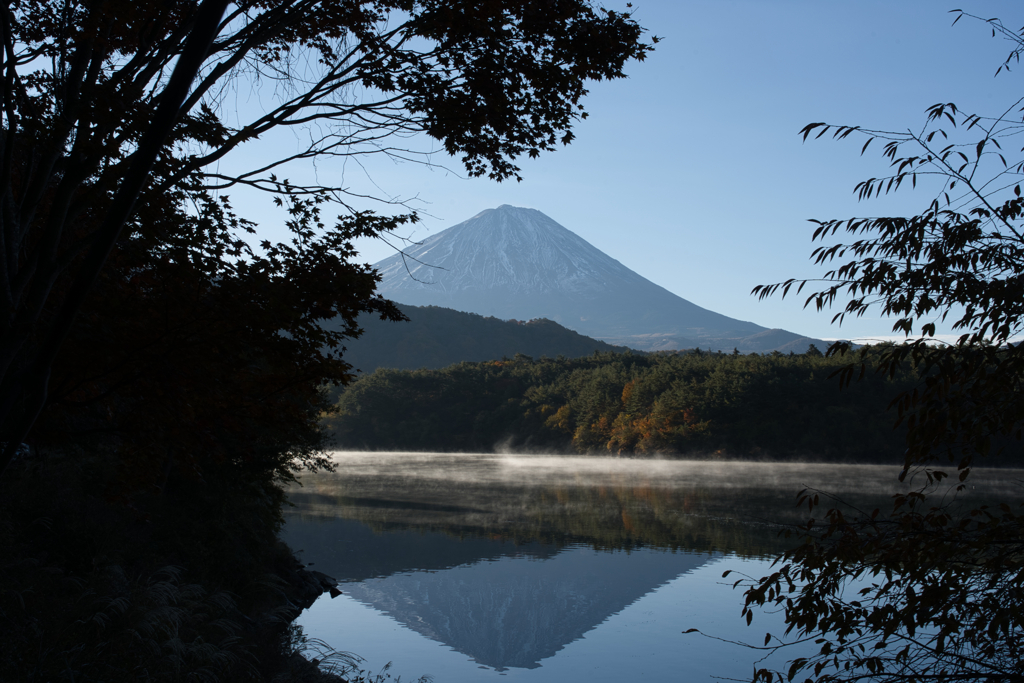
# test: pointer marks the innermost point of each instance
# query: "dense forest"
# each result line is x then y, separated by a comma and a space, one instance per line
697, 404
435, 337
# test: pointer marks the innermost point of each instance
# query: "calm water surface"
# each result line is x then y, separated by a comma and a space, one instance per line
479, 567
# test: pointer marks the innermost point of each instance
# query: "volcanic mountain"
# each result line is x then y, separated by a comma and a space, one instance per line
516, 263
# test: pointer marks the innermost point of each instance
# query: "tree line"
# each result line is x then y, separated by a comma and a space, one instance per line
698, 404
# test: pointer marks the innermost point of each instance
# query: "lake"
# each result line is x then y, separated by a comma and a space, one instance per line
480, 567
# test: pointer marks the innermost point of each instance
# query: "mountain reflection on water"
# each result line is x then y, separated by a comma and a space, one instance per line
516, 611
509, 559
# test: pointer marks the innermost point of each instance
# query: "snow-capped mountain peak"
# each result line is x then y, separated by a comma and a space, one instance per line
507, 249
513, 262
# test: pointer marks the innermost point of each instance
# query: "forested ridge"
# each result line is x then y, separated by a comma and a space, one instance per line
716, 405
435, 337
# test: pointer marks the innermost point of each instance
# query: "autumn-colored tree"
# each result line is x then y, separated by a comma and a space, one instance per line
627, 403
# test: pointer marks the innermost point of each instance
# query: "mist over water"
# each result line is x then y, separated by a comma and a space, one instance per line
596, 471
589, 471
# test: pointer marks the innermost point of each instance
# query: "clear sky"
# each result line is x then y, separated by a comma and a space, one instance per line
691, 172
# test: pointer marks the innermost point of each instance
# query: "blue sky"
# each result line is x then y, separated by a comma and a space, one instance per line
691, 172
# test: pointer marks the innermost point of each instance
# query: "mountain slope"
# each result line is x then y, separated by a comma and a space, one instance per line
437, 337
513, 262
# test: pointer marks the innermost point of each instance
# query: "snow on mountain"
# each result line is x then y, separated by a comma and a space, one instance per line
513, 262
507, 250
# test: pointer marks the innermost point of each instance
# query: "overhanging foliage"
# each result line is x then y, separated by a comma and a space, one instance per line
934, 590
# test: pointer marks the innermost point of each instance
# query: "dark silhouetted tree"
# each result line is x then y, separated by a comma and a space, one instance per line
934, 591
113, 106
